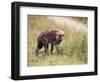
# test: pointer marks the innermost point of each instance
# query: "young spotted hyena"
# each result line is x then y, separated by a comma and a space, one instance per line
53, 37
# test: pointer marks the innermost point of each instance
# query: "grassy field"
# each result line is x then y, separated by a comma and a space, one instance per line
73, 49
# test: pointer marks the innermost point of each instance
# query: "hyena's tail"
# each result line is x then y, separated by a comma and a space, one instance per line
39, 46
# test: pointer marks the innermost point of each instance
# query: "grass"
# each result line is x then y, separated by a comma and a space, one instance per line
73, 49
82, 19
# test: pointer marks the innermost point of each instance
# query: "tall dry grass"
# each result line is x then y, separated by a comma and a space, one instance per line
73, 49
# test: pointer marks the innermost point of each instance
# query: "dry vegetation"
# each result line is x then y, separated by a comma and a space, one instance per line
73, 49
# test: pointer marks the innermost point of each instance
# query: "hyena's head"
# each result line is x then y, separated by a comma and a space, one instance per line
59, 35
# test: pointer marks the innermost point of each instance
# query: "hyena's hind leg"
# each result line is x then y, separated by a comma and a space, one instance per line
39, 46
45, 45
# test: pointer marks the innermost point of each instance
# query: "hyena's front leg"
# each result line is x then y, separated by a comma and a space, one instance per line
52, 47
57, 47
